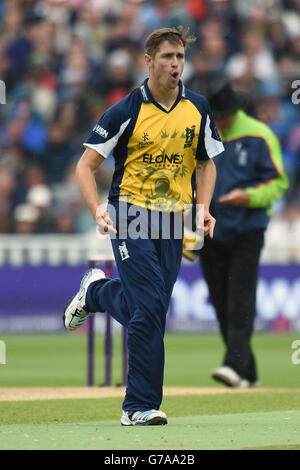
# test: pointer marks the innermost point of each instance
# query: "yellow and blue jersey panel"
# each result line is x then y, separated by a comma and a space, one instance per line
155, 149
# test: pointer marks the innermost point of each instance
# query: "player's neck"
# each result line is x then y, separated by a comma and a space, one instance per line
162, 95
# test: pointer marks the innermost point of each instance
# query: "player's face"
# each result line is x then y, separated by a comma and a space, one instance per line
167, 65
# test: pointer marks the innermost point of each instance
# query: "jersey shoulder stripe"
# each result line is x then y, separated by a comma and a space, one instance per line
210, 143
114, 123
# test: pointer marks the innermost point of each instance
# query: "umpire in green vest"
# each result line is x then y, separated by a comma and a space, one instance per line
250, 179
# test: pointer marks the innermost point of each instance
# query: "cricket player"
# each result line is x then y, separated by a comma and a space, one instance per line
160, 134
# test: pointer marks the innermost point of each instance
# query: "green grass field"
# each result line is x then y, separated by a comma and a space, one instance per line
61, 359
266, 419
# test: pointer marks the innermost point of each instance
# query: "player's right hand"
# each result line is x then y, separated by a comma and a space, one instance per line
104, 223
209, 225
205, 224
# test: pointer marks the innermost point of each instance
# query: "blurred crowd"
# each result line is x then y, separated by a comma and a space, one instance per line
63, 62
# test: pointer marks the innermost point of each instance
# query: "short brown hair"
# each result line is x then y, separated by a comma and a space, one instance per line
177, 35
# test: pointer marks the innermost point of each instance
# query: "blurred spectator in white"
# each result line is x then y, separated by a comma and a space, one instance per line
25, 219
267, 10
254, 52
40, 197
291, 19
32, 175
282, 236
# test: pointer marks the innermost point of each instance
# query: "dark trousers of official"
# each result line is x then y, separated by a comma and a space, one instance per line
139, 300
231, 272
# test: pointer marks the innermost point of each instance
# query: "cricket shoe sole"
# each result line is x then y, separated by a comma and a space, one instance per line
75, 312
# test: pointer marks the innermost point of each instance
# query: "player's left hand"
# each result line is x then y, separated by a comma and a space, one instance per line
236, 197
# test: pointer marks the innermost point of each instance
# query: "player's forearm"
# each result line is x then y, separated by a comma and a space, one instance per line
87, 186
205, 182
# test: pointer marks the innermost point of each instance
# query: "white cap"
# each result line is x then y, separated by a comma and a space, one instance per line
39, 196
25, 213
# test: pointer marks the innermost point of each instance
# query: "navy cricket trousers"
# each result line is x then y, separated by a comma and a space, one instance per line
139, 300
231, 272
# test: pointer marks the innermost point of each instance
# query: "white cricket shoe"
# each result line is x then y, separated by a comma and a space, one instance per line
227, 376
75, 313
244, 383
143, 418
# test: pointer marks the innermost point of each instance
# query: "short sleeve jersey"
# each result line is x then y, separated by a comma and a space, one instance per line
155, 149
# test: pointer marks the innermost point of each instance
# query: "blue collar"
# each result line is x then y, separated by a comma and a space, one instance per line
147, 97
